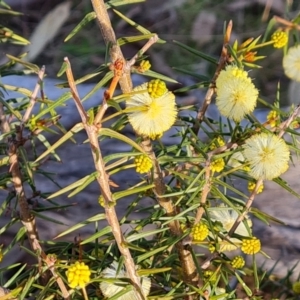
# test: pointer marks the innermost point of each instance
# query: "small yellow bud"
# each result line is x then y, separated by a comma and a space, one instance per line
156, 88
199, 232
272, 118
238, 262
251, 187
296, 287
144, 66
217, 165
251, 246
78, 275
143, 164
280, 39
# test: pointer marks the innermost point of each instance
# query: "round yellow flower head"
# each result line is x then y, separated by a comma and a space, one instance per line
251, 246
144, 65
209, 276
280, 39
109, 288
216, 143
151, 116
267, 154
272, 118
156, 88
251, 187
236, 94
217, 165
143, 164
291, 63
78, 275
199, 232
238, 262
296, 287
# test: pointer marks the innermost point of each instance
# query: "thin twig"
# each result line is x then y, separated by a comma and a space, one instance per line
110, 39
103, 180
224, 58
33, 97
151, 41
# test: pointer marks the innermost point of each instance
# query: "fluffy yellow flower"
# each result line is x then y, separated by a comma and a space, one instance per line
251, 246
280, 39
291, 63
109, 288
151, 116
144, 66
78, 275
236, 94
267, 154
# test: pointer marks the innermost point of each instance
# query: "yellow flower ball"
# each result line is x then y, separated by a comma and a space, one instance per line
272, 118
291, 63
251, 187
238, 262
251, 246
209, 275
144, 65
267, 154
151, 116
217, 165
78, 275
280, 39
296, 287
236, 94
199, 232
156, 88
143, 164
216, 143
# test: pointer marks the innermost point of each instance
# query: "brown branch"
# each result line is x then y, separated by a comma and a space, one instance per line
33, 97
110, 39
103, 181
224, 58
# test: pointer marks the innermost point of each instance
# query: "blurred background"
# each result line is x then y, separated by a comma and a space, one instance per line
196, 23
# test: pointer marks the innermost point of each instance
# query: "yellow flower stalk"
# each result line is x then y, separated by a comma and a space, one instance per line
236, 94
251, 246
267, 154
151, 116
109, 288
78, 275
291, 63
